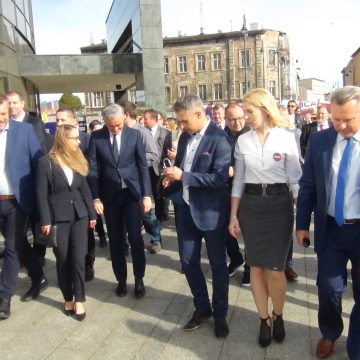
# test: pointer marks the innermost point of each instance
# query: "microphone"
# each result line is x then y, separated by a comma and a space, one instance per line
306, 242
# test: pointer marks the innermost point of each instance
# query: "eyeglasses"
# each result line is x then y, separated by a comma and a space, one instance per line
74, 137
233, 121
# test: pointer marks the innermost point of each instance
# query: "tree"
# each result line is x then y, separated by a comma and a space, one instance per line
71, 101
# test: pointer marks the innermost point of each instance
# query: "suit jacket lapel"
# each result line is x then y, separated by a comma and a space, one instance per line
9, 143
183, 141
202, 145
123, 143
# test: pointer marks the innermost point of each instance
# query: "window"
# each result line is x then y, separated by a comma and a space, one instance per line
272, 87
218, 92
183, 90
216, 61
166, 66
244, 90
182, 65
200, 62
97, 99
202, 92
242, 58
271, 61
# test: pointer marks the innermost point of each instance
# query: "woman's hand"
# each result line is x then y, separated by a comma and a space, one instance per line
92, 224
234, 227
45, 229
171, 154
99, 207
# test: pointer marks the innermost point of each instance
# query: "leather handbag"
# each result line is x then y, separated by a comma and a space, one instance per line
50, 239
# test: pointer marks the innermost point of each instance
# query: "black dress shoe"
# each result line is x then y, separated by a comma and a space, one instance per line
4, 309
89, 273
121, 289
68, 312
221, 328
139, 291
2, 254
35, 290
197, 319
79, 316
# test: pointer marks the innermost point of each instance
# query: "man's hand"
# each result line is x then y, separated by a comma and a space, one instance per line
99, 207
171, 154
300, 235
172, 174
146, 204
92, 224
45, 229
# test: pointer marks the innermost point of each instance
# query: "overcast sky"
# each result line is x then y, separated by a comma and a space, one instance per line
323, 34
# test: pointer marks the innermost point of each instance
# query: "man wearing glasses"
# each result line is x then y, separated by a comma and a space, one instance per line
235, 126
293, 115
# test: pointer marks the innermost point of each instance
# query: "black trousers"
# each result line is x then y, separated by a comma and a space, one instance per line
70, 254
159, 201
13, 224
125, 210
99, 227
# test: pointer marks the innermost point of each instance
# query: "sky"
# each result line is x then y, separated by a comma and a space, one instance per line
323, 34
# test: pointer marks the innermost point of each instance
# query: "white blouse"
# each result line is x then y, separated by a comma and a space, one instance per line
69, 175
275, 162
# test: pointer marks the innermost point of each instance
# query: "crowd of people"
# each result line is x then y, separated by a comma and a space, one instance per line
238, 175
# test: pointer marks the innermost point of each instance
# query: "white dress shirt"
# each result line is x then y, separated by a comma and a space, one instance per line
352, 185
69, 174
323, 126
20, 118
153, 129
5, 187
277, 161
191, 148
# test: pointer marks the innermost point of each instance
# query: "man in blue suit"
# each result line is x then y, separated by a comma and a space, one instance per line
330, 187
120, 183
19, 152
197, 185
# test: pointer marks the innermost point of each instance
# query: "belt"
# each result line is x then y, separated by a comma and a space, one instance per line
347, 221
7, 197
266, 189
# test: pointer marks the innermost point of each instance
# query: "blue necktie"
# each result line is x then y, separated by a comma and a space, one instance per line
341, 180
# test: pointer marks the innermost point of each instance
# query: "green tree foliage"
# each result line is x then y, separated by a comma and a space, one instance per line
71, 101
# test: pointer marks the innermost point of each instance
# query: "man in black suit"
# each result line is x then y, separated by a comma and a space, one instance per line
120, 184
19, 154
16, 110
322, 123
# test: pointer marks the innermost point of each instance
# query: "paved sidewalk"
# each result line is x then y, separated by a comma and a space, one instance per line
151, 328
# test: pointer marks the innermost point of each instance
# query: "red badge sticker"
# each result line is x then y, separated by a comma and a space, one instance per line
277, 157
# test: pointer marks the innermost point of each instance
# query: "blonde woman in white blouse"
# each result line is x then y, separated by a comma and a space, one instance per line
267, 172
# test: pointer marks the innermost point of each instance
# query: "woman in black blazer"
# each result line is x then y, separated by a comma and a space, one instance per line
69, 204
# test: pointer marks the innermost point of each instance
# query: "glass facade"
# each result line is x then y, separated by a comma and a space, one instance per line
16, 38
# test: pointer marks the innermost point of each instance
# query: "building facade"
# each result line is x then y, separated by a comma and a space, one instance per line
351, 73
16, 38
223, 66
96, 100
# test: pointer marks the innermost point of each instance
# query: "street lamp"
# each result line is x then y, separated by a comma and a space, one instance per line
244, 31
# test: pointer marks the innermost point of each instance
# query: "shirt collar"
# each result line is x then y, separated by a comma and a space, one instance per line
21, 117
5, 129
340, 138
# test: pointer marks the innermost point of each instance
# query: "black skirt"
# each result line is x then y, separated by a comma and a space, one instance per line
266, 223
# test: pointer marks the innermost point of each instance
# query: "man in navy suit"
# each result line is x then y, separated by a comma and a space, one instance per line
19, 152
120, 183
330, 187
197, 184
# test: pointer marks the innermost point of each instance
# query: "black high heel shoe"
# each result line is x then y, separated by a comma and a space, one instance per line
68, 312
79, 316
278, 328
265, 332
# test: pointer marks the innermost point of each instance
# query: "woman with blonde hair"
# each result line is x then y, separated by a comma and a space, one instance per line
64, 198
267, 170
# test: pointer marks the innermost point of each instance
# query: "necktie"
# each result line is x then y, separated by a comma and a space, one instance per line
341, 181
321, 127
115, 148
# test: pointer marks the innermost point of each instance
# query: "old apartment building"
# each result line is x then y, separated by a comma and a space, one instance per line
223, 66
